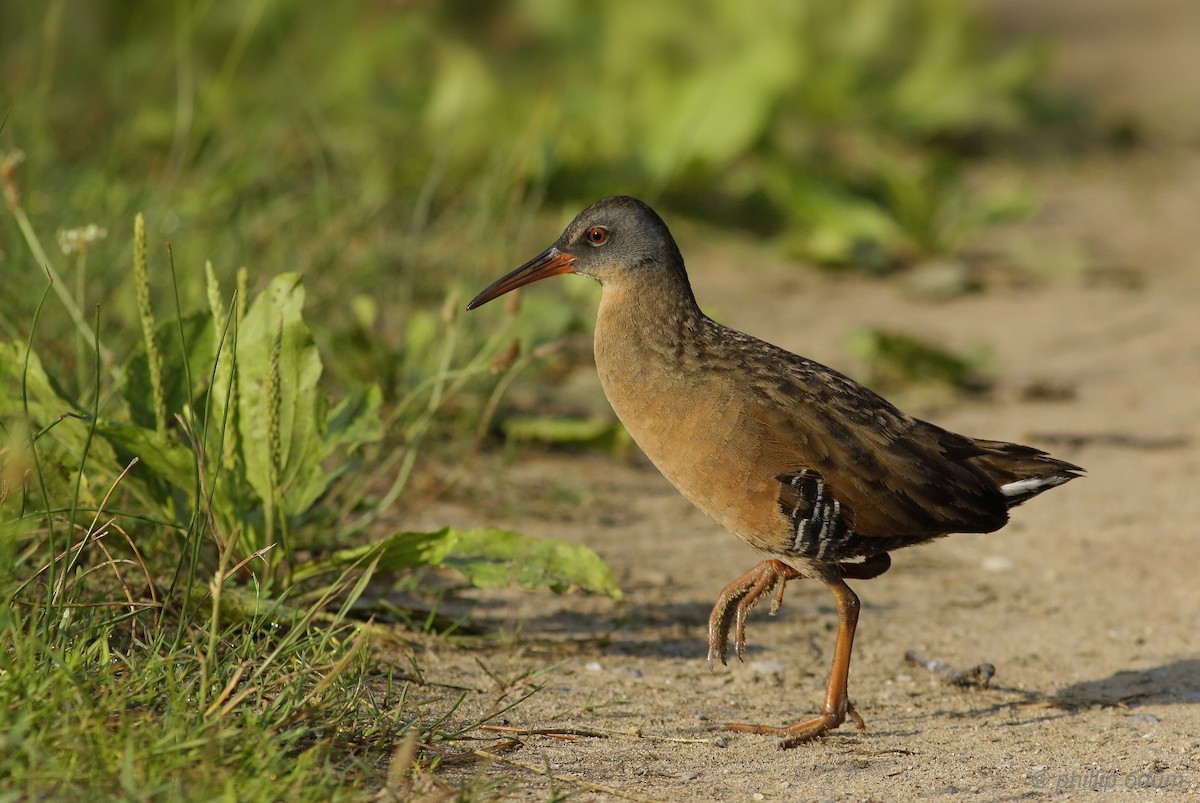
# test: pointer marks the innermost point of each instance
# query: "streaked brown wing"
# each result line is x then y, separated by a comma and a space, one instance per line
882, 473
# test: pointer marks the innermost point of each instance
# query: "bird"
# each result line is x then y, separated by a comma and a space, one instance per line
820, 474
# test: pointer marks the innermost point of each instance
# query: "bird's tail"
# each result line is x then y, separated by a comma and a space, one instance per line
1023, 472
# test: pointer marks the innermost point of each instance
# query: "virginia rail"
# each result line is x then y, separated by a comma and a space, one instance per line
797, 460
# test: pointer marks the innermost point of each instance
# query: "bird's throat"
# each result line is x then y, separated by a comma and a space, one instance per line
643, 332
645, 347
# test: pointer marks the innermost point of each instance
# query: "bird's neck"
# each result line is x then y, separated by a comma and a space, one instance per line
646, 319
649, 344
645, 331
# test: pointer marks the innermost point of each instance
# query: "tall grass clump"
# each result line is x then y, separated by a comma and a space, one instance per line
158, 633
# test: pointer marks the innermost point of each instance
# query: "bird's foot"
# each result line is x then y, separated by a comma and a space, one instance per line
801, 732
734, 604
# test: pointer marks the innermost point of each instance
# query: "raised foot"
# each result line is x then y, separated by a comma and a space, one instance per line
736, 600
800, 732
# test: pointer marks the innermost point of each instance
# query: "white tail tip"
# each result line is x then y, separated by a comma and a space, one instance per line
1032, 486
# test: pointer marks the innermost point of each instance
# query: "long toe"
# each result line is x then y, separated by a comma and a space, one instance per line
718, 632
810, 729
737, 599
795, 734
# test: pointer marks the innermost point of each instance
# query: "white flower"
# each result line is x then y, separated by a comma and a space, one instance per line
79, 240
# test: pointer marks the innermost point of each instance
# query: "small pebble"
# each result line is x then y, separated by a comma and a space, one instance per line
593, 666
766, 667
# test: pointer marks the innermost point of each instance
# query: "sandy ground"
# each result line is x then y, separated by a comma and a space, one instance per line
1087, 604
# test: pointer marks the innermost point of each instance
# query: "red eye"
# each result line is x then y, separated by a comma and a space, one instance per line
597, 235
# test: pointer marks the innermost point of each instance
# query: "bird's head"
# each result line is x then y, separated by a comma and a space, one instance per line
614, 239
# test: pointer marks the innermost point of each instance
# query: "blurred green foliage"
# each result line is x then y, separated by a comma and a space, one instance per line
393, 148
896, 359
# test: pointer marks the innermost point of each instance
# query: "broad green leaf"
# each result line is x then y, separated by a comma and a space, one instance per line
62, 435
355, 420
487, 558
282, 448
43, 392
162, 454
584, 432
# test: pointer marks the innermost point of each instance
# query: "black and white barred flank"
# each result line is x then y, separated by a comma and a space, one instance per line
819, 524
815, 515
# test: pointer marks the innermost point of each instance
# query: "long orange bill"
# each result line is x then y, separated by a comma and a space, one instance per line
550, 262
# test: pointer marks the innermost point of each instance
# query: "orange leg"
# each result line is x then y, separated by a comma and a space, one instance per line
837, 699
